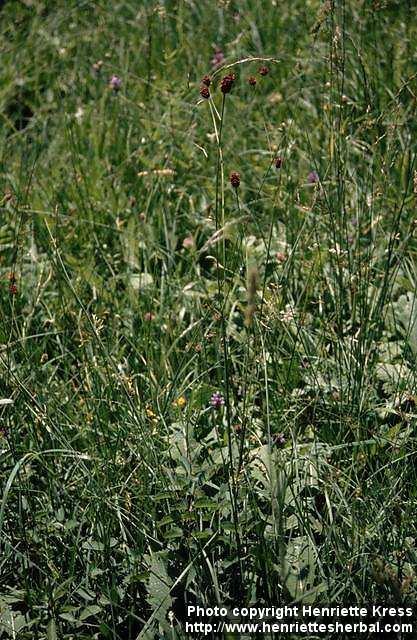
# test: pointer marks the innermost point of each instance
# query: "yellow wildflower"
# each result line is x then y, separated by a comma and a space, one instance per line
180, 402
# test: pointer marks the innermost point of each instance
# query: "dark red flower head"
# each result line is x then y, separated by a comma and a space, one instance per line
12, 289
206, 80
235, 179
204, 92
227, 83
278, 162
252, 80
263, 71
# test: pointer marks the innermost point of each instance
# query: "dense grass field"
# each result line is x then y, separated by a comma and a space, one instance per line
208, 390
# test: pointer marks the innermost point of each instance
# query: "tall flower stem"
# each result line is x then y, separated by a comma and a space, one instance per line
219, 222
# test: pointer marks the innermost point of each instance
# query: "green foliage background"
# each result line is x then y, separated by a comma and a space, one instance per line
125, 495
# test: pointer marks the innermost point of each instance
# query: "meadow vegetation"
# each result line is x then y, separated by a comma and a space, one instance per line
208, 390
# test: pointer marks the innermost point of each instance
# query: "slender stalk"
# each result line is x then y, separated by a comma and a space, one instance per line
220, 204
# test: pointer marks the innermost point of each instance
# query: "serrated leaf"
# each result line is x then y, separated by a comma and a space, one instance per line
175, 532
205, 503
91, 610
300, 567
93, 545
51, 630
158, 587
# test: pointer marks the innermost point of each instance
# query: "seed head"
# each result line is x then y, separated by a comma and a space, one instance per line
115, 83
217, 400
206, 80
263, 71
227, 83
235, 179
252, 80
204, 92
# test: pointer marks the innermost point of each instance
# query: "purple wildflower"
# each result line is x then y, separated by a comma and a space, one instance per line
115, 83
279, 440
218, 58
313, 177
217, 400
